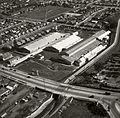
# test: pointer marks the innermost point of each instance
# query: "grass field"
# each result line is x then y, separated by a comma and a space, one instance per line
77, 109
44, 12
44, 71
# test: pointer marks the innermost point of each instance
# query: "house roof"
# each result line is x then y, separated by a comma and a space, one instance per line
6, 56
3, 90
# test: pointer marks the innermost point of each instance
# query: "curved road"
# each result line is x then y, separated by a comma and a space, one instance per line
62, 88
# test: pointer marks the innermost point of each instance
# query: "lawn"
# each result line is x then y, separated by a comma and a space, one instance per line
42, 12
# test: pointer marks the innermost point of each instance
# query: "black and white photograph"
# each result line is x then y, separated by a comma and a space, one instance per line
59, 58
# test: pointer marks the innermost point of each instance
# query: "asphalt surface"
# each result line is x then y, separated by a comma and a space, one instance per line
62, 88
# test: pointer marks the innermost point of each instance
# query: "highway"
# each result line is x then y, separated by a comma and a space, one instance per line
115, 44
60, 88
56, 87
65, 89
114, 109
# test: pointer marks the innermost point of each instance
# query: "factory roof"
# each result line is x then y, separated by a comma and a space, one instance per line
67, 42
86, 45
85, 49
41, 42
70, 51
101, 34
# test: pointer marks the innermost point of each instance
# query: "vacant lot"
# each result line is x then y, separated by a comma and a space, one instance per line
44, 12
44, 71
77, 109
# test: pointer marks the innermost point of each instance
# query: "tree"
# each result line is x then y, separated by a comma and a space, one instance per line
98, 66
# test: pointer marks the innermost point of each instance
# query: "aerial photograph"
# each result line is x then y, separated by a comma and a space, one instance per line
59, 58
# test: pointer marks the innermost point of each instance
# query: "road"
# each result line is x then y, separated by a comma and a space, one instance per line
59, 88
41, 108
114, 109
63, 88
90, 16
56, 87
115, 44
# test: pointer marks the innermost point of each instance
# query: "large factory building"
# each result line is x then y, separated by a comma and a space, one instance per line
74, 50
65, 43
42, 42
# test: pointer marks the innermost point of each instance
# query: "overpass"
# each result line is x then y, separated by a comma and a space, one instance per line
63, 88
56, 87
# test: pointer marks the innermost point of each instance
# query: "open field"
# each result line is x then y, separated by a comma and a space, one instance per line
43, 13
77, 109
44, 71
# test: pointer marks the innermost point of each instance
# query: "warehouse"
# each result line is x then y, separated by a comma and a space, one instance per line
102, 34
81, 57
81, 49
74, 50
41, 42
87, 45
82, 46
86, 50
64, 44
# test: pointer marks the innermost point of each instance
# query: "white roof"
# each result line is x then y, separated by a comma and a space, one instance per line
104, 35
101, 34
42, 42
94, 52
73, 14
67, 42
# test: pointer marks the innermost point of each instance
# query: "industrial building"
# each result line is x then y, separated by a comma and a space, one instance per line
102, 34
41, 42
65, 43
65, 48
87, 49
83, 47
74, 50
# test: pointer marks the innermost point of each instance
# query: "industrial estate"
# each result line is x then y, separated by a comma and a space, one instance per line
60, 58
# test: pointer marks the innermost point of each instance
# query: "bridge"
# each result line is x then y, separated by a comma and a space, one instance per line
64, 88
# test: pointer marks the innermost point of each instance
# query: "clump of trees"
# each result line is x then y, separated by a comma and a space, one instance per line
98, 66
96, 109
